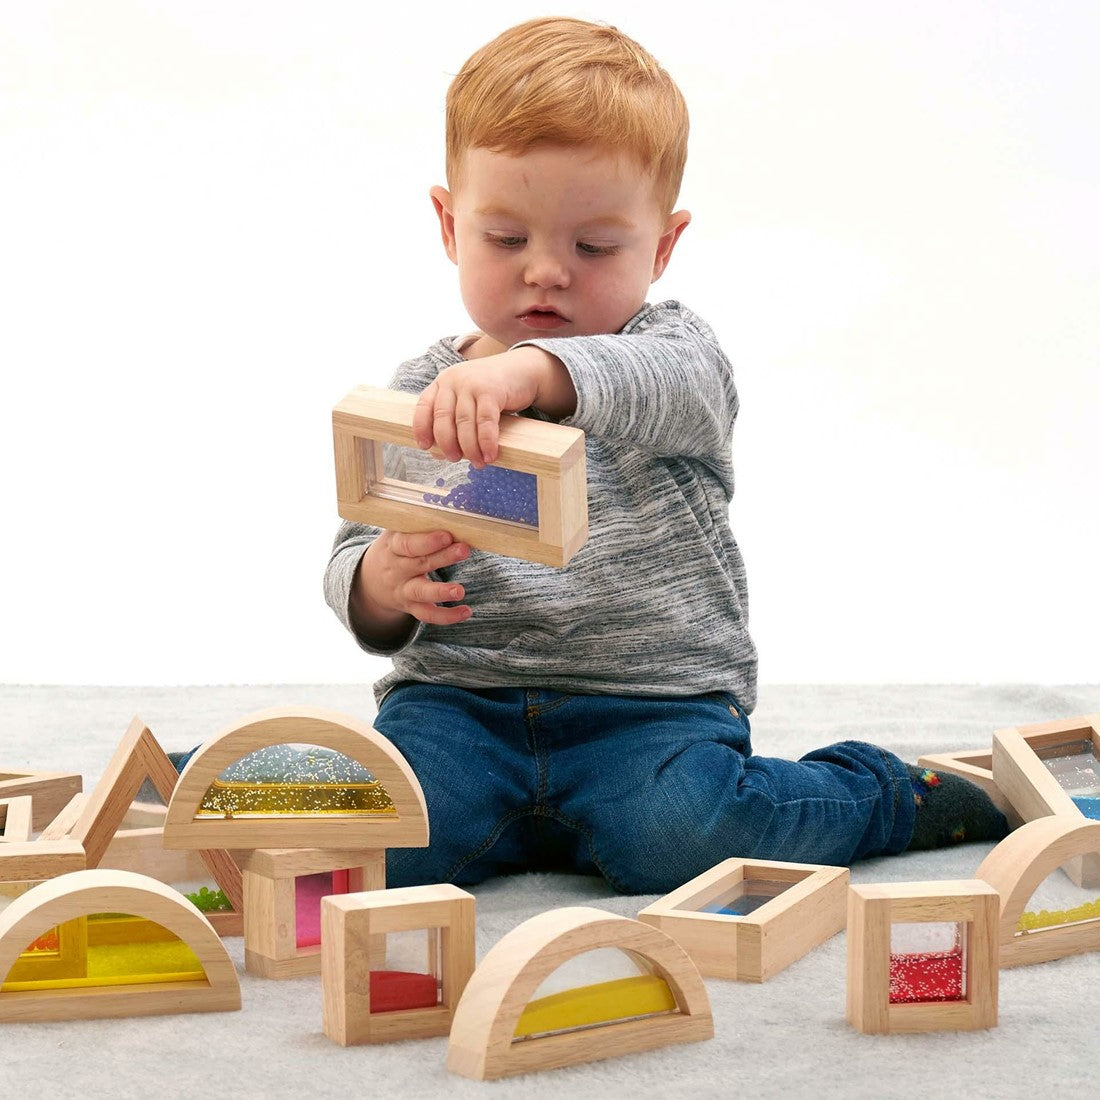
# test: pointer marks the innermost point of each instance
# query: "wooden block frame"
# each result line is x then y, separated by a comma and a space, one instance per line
50, 792
35, 860
270, 911
758, 945
1032, 790
351, 925
872, 909
1018, 865
102, 891
481, 1044
407, 828
94, 819
368, 417
15, 818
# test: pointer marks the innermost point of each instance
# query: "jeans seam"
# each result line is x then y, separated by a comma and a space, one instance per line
586, 832
491, 838
538, 747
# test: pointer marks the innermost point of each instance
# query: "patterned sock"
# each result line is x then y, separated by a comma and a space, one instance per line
148, 793
951, 810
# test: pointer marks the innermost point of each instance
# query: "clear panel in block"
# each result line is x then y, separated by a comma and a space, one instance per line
1077, 769
415, 476
927, 962
411, 976
742, 897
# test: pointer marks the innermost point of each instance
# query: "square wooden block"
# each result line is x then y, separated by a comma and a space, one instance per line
350, 927
1053, 768
284, 889
750, 919
552, 454
944, 978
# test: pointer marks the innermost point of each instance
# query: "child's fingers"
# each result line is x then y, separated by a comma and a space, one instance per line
428, 550
439, 616
421, 590
423, 421
443, 423
466, 412
488, 428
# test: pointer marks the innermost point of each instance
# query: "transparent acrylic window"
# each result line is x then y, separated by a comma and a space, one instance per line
410, 975
592, 989
1058, 902
417, 477
294, 780
742, 898
1076, 767
927, 962
101, 950
308, 892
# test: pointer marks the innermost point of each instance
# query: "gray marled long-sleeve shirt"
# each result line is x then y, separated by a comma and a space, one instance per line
655, 603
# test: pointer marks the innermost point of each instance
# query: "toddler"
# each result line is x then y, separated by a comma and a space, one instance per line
594, 718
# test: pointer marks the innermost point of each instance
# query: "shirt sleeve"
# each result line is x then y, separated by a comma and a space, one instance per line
662, 384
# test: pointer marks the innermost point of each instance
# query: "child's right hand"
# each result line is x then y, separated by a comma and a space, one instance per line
392, 583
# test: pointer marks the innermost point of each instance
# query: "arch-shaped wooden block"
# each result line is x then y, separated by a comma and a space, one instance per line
1017, 866
83, 893
483, 1044
407, 828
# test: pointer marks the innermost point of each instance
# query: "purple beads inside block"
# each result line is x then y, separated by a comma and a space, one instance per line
493, 491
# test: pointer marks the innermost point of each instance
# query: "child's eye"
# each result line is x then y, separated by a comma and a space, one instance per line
597, 249
505, 241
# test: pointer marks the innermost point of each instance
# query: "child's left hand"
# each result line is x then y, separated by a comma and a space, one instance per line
460, 411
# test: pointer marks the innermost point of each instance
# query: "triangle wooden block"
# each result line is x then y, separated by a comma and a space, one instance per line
138, 757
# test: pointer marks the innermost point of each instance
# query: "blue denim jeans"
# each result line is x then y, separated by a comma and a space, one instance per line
646, 792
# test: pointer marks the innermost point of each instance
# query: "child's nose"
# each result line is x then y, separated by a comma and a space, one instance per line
546, 269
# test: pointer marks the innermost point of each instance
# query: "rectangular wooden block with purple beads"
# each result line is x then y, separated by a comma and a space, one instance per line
532, 503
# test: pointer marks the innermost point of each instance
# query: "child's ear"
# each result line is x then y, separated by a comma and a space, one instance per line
674, 226
444, 208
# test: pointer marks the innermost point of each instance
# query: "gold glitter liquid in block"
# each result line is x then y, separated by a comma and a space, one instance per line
296, 780
927, 962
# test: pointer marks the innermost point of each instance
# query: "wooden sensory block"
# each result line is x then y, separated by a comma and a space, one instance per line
1016, 867
282, 899
786, 910
402, 822
96, 818
49, 791
488, 1036
939, 989
15, 818
34, 860
1028, 783
63, 984
554, 454
351, 974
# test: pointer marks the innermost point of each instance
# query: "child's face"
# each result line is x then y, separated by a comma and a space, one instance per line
558, 241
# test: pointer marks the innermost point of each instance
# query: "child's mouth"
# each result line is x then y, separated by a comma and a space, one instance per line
543, 318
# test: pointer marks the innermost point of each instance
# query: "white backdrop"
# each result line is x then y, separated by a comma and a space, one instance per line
214, 221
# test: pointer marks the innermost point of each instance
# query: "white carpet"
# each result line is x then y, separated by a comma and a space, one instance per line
787, 1037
